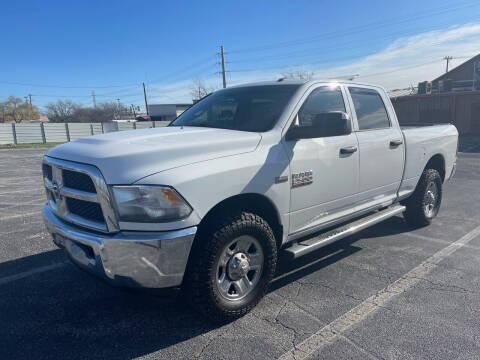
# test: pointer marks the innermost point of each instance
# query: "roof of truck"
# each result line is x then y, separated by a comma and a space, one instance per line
304, 82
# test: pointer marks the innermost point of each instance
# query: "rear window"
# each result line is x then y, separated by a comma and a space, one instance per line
250, 108
370, 109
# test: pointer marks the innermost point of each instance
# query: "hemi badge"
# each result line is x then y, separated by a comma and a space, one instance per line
281, 179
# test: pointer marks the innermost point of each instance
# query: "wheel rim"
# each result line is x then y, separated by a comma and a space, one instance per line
239, 267
430, 200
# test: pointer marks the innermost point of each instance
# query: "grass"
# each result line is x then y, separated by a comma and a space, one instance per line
28, 145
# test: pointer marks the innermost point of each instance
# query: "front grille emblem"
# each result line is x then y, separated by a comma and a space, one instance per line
56, 191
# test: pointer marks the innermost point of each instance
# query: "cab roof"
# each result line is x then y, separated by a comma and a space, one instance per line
303, 82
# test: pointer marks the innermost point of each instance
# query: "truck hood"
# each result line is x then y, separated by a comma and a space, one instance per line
127, 156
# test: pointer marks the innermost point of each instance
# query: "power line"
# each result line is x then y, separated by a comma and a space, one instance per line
185, 69
399, 69
306, 53
65, 87
357, 29
320, 61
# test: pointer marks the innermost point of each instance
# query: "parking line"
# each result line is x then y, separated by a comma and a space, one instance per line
440, 241
25, 274
20, 215
328, 334
18, 191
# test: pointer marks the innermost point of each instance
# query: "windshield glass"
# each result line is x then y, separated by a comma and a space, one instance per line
250, 108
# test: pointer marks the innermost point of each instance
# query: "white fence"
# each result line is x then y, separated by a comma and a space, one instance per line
38, 133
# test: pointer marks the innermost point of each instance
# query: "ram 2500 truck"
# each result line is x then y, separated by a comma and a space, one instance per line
207, 203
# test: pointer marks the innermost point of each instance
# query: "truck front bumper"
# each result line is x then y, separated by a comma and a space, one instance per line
132, 259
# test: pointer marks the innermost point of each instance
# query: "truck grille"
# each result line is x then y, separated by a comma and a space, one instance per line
77, 193
47, 171
77, 180
86, 209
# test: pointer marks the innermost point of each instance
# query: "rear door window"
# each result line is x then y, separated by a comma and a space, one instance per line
370, 109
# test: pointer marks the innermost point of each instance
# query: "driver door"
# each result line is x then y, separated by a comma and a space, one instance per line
324, 170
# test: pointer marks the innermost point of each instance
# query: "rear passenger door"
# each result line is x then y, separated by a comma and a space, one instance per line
381, 147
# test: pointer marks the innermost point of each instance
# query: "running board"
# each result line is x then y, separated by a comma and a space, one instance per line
308, 245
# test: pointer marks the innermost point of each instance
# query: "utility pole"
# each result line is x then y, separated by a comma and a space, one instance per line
222, 54
31, 108
94, 100
145, 96
26, 100
117, 112
447, 58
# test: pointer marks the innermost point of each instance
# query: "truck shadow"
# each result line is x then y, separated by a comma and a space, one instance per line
289, 271
64, 313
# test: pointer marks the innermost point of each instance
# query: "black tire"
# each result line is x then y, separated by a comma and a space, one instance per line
416, 213
200, 284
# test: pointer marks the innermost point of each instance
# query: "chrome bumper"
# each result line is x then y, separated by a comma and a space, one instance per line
133, 259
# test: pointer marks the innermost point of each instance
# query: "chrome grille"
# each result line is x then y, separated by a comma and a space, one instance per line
47, 171
77, 193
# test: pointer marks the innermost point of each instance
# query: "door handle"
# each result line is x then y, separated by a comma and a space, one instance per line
348, 150
396, 142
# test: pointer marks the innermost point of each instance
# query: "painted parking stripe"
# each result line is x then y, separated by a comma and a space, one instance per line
329, 333
19, 191
439, 241
20, 215
22, 275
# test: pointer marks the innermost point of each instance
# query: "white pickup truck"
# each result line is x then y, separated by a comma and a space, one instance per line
207, 202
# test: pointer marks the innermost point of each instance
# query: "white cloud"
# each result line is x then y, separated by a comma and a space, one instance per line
380, 68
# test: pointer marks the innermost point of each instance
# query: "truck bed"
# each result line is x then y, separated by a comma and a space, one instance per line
421, 144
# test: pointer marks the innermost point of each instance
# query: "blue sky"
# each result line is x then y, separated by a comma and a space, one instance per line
111, 47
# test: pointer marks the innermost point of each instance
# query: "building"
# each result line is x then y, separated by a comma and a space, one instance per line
453, 97
166, 112
467, 73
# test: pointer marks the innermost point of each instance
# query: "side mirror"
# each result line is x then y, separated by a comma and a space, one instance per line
334, 123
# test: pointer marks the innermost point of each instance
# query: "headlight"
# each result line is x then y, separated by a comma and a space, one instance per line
145, 203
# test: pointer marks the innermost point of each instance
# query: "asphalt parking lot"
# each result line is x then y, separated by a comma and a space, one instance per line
390, 292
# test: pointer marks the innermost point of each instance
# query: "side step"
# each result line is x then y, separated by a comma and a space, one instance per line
308, 245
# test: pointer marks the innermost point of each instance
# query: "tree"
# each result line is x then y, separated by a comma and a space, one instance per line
26, 111
15, 109
3, 112
199, 90
103, 112
299, 74
12, 105
61, 111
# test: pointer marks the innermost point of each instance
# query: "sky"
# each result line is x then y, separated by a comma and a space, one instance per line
69, 49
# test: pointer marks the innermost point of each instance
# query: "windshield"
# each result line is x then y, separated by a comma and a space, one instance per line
249, 108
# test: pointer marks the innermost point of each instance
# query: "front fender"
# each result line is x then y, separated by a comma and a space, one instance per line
205, 184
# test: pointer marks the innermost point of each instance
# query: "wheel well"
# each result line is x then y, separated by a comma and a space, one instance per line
437, 162
256, 203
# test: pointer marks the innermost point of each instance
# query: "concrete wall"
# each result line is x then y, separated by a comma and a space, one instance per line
23, 133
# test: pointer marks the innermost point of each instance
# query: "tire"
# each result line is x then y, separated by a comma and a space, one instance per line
218, 258
421, 206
